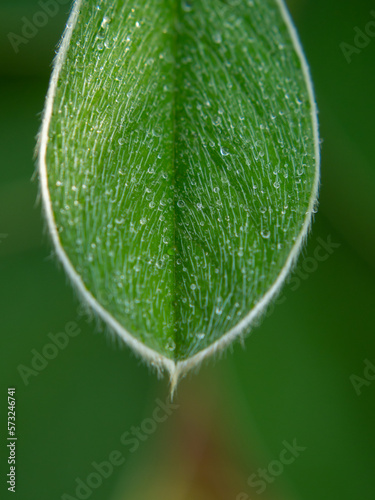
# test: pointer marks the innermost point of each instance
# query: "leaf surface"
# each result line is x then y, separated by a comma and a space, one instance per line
179, 166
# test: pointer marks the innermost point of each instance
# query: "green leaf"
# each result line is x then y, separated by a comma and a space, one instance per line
179, 166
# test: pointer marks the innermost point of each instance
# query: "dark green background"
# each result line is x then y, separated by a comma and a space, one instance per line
292, 380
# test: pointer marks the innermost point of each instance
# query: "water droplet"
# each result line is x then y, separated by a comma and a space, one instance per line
193, 287
171, 345
180, 203
217, 38
200, 336
223, 151
105, 22
121, 141
143, 221
187, 6
218, 311
156, 132
265, 233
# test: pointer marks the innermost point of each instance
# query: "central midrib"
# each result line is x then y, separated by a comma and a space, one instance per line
174, 169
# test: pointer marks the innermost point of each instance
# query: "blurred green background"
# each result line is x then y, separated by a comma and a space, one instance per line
292, 381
